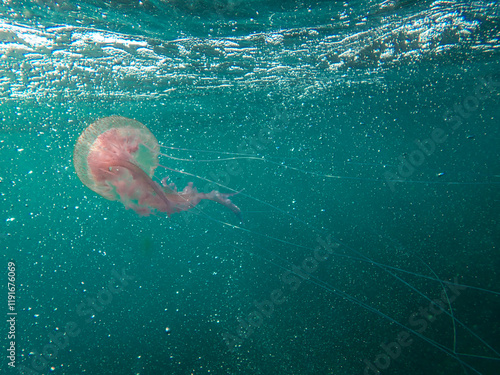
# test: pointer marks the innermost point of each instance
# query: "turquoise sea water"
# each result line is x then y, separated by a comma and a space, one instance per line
365, 133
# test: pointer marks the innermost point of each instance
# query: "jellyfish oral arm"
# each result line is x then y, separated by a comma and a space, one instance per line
165, 199
140, 176
194, 197
223, 199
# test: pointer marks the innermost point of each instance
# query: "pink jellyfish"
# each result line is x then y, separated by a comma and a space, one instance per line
116, 157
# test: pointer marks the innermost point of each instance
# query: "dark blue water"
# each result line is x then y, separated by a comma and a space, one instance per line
364, 136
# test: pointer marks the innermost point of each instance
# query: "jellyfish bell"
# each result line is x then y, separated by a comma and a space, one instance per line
116, 157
